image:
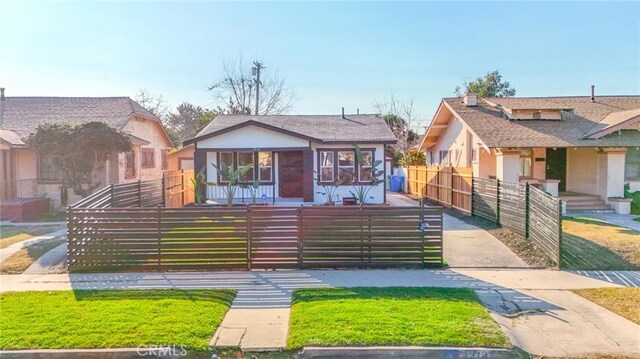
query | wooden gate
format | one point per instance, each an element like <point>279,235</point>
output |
<point>449,186</point>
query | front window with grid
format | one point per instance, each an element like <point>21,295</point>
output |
<point>265,165</point>
<point>326,166</point>
<point>47,170</point>
<point>245,159</point>
<point>346,166</point>
<point>366,166</point>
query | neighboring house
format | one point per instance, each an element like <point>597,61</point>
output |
<point>291,154</point>
<point>26,174</point>
<point>181,159</point>
<point>583,147</point>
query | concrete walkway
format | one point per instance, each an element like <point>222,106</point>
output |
<point>466,245</point>
<point>8,251</point>
<point>533,307</point>
<point>622,220</point>
<point>54,261</point>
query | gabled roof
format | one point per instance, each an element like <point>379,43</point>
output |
<point>11,138</point>
<point>580,118</point>
<point>315,128</point>
<point>22,115</point>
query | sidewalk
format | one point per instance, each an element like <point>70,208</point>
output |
<point>527,303</point>
<point>8,251</point>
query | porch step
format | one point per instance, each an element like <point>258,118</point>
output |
<point>583,202</point>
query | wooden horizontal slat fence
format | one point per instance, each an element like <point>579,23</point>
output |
<point>210,238</point>
<point>125,195</point>
<point>523,209</point>
<point>370,237</point>
<point>449,186</point>
<point>545,222</point>
<point>178,188</point>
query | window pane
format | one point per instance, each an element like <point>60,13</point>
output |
<point>346,159</point>
<point>346,175</point>
<point>130,164</point>
<point>265,165</point>
<point>326,159</point>
<point>525,166</point>
<point>326,174</point>
<point>246,159</point>
<point>226,158</point>
<point>264,159</point>
<point>366,174</point>
<point>367,159</point>
<point>265,174</point>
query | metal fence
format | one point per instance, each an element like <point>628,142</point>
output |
<point>523,209</point>
<point>246,237</point>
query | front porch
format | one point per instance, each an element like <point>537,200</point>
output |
<point>587,178</point>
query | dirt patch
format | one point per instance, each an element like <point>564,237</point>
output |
<point>522,247</point>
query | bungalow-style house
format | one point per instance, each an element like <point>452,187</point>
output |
<point>582,149</point>
<point>293,156</point>
<point>26,175</point>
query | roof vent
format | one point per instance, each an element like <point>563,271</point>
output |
<point>2,93</point>
<point>343,113</point>
<point>593,93</point>
<point>470,99</point>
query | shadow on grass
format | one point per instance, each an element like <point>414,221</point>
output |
<point>322,294</point>
<point>221,296</point>
<point>583,254</point>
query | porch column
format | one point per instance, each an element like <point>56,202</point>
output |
<point>307,175</point>
<point>611,172</point>
<point>199,160</point>
<point>507,165</point>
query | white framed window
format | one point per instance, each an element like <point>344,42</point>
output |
<point>346,166</point>
<point>366,166</point>
<point>326,166</point>
<point>265,166</point>
<point>245,159</point>
<point>526,163</point>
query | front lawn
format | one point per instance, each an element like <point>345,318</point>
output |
<point>391,316</point>
<point>589,244</point>
<point>111,318</point>
<point>622,301</point>
<point>14,234</point>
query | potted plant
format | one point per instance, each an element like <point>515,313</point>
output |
<point>232,178</point>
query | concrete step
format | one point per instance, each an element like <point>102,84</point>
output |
<point>584,197</point>
<point>578,207</point>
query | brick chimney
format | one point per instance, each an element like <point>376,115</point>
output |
<point>470,99</point>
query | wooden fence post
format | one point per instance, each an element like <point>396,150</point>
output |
<point>300,235</point>
<point>164,193</point>
<point>183,189</point>
<point>139,193</point>
<point>559,233</point>
<point>497,201</point>
<point>422,245</point>
<point>472,190</point>
<point>159,213</point>
<point>526,210</point>
<point>249,230</point>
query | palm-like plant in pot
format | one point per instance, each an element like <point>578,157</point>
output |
<point>231,178</point>
<point>369,176</point>
<point>253,189</point>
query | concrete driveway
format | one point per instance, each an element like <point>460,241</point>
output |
<point>466,245</point>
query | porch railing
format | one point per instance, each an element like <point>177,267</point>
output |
<point>11,190</point>
<point>243,195</point>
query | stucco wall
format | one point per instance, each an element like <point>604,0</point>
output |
<point>151,132</point>
<point>583,169</point>
<point>456,139</point>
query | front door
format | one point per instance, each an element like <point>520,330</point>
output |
<point>557,166</point>
<point>290,174</point>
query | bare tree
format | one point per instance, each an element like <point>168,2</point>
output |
<point>157,105</point>
<point>401,117</point>
<point>236,90</point>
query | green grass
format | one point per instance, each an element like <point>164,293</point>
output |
<point>589,244</point>
<point>391,316</point>
<point>111,318</point>
<point>14,234</point>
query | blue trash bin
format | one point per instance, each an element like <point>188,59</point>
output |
<point>396,183</point>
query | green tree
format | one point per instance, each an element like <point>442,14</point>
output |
<point>490,85</point>
<point>77,152</point>
<point>188,120</point>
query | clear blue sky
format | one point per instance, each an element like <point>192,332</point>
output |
<point>332,54</point>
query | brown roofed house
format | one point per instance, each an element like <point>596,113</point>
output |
<point>28,176</point>
<point>583,149</point>
<point>293,156</point>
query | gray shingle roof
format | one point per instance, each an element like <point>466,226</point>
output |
<point>22,115</point>
<point>495,131</point>
<point>322,128</point>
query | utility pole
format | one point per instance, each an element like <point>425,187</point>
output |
<point>256,72</point>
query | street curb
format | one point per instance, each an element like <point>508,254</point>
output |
<point>111,353</point>
<point>411,352</point>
